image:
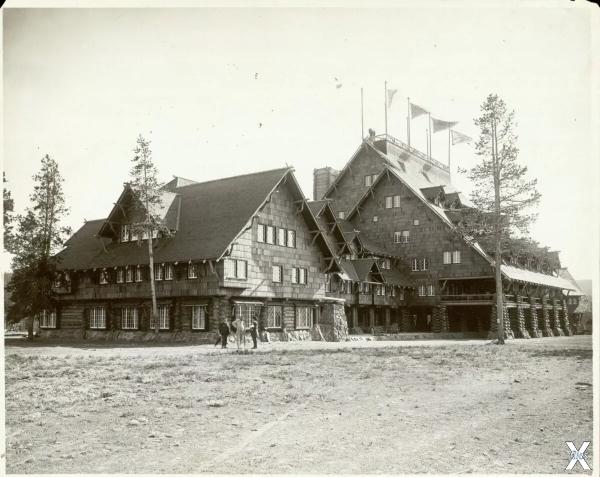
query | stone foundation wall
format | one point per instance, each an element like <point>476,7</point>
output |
<point>556,329</point>
<point>333,322</point>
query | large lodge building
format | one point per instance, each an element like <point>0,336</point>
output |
<point>377,251</point>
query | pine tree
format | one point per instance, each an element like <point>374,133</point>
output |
<point>146,190</point>
<point>8,219</point>
<point>39,234</point>
<point>503,196</point>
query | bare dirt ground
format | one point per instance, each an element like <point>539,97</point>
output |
<point>354,407</point>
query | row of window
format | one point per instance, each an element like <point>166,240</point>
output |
<point>421,264</point>
<point>130,273</point>
<point>425,290</point>
<point>130,318</point>
<point>305,315</point>
<point>276,236</point>
<point>128,235</point>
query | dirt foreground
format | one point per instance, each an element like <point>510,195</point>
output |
<point>369,407</point>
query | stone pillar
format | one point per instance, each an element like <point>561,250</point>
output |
<point>333,322</point>
<point>545,324</point>
<point>493,333</point>
<point>535,330</point>
<point>556,329</point>
<point>405,324</point>
<point>566,322</point>
<point>443,318</point>
<point>521,330</point>
<point>355,316</point>
<point>371,318</point>
<point>439,319</point>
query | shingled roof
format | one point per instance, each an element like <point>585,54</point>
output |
<point>213,214</point>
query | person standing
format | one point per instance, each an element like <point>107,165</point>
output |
<point>254,333</point>
<point>223,333</point>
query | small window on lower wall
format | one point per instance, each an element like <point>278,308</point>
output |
<point>97,318</point>
<point>199,317</point>
<point>274,316</point>
<point>304,317</point>
<point>129,318</point>
<point>48,319</point>
<point>163,318</point>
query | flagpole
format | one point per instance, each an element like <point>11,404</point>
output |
<point>362,116</point>
<point>427,140</point>
<point>385,104</point>
<point>408,120</point>
<point>449,163</point>
<point>429,136</point>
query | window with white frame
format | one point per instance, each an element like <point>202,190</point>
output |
<point>97,318</point>
<point>125,233</point>
<point>145,234</point>
<point>291,238</point>
<point>270,234</point>
<point>341,215</point>
<point>424,263</point>
<point>129,274</point>
<point>392,290</point>
<point>346,286</point>
<point>430,290</point>
<point>375,218</point>
<point>168,271</point>
<point>154,233</point>
<point>260,233</point>
<point>236,268</point>
<point>277,274</point>
<point>385,263</point>
<point>198,317</point>
<point>447,258</point>
<point>159,271</point>
<point>129,318</point>
<point>163,318</point>
<point>300,275</point>
<point>415,264</point>
<point>405,236</point>
<point>103,277</point>
<point>304,317</point>
<point>48,319</point>
<point>416,222</point>
<point>191,270</point>
<point>422,290</point>
<point>396,201</point>
<point>370,179</point>
<point>389,202</point>
<point>281,237</point>
<point>120,275</point>
<point>401,236</point>
<point>247,312</point>
<point>456,256</point>
<point>138,274</point>
<point>366,287</point>
<point>274,316</point>
<point>380,290</point>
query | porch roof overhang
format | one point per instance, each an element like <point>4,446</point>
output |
<point>527,276</point>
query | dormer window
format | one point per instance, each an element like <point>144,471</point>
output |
<point>192,270</point>
<point>138,274</point>
<point>369,179</point>
<point>129,274</point>
<point>125,233</point>
<point>103,277</point>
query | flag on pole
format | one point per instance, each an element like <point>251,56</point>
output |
<point>416,111</point>
<point>439,125</point>
<point>390,96</point>
<point>458,138</point>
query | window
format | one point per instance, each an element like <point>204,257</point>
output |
<point>277,273</point>
<point>270,234</point>
<point>159,271</point>
<point>129,274</point>
<point>236,268</point>
<point>145,234</point>
<point>304,317</point>
<point>97,318</point>
<point>154,233</point>
<point>369,179</point>
<point>281,237</point>
<point>385,263</point>
<point>375,218</point>
<point>430,290</point>
<point>424,264</point>
<point>346,286</point>
<point>415,264</point>
<point>300,275</point>
<point>48,319</point>
<point>163,318</point>
<point>447,258</point>
<point>401,237</point>
<point>366,287</point>
<point>392,290</point>
<point>103,277</point>
<point>379,290</point>
<point>191,271</point>
<point>198,317</point>
<point>401,294</point>
<point>291,238</point>
<point>422,290</point>
<point>456,256</point>
<point>247,312</point>
<point>396,201</point>
<point>341,215</point>
<point>129,318</point>
<point>274,316</point>
<point>120,275</point>
<point>168,271</point>
<point>389,202</point>
<point>260,233</point>
<point>327,283</point>
<point>138,274</point>
<point>125,233</point>
<point>416,222</point>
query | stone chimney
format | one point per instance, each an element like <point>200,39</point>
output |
<point>322,179</point>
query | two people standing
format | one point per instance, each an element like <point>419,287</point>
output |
<point>238,327</point>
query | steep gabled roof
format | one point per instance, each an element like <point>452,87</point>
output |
<point>365,267</point>
<point>213,214</point>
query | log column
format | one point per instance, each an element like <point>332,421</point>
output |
<point>387,319</point>
<point>521,331</point>
<point>405,321</point>
<point>566,322</point>
<point>535,330</point>
<point>556,329</point>
<point>545,324</point>
<point>493,333</point>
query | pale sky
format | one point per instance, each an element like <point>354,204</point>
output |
<point>222,92</point>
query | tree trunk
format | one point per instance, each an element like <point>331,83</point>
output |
<point>497,238</point>
<point>154,311</point>
<point>30,322</point>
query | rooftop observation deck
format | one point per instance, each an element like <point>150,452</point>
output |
<point>411,150</point>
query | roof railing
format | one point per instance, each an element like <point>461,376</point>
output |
<point>412,150</point>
